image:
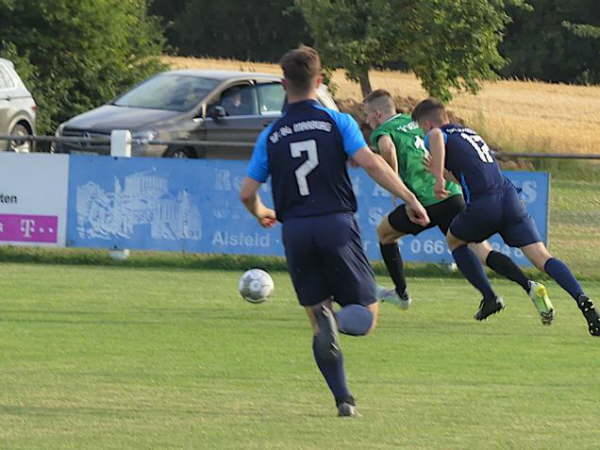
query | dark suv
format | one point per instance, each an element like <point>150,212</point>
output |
<point>186,105</point>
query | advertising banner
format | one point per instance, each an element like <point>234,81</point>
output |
<point>193,206</point>
<point>33,199</point>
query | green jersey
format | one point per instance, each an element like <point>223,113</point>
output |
<point>410,151</point>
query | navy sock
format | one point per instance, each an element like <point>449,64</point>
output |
<point>394,264</point>
<point>333,372</point>
<point>472,269</point>
<point>503,265</point>
<point>355,320</point>
<point>561,273</point>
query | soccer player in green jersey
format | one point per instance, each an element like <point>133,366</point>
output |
<point>399,140</point>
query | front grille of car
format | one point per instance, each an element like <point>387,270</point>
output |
<point>85,146</point>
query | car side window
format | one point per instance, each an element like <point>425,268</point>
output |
<point>271,98</point>
<point>6,81</point>
<point>239,101</point>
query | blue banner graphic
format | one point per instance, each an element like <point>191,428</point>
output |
<point>193,206</point>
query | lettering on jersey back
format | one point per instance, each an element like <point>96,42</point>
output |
<point>299,127</point>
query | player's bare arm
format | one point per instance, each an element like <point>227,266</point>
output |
<point>387,150</point>
<point>382,173</point>
<point>437,150</point>
<point>447,174</point>
<point>251,200</point>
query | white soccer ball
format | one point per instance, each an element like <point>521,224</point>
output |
<point>256,285</point>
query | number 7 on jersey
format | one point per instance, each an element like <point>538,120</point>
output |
<point>296,149</point>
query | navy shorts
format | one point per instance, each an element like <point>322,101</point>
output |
<point>500,212</point>
<point>326,260</point>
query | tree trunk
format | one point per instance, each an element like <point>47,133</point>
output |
<point>365,83</point>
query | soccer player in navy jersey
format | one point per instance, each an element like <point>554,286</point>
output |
<point>306,153</point>
<point>399,140</point>
<point>493,206</point>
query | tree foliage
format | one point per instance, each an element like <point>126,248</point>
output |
<point>354,34</point>
<point>249,30</point>
<point>557,41</point>
<point>77,54</point>
<point>448,44</point>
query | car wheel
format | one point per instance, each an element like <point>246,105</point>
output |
<point>179,152</point>
<point>20,146</point>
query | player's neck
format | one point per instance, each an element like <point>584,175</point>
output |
<point>387,117</point>
<point>295,98</point>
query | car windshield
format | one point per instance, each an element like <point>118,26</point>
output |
<point>173,92</point>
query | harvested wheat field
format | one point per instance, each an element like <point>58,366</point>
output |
<point>512,115</point>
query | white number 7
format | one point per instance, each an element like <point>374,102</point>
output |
<point>310,147</point>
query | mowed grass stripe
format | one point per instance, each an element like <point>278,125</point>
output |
<point>110,357</point>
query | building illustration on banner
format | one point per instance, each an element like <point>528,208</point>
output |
<point>193,206</point>
<point>142,199</point>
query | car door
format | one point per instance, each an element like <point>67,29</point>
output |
<point>241,124</point>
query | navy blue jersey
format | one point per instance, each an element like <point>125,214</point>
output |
<point>305,153</point>
<point>471,162</point>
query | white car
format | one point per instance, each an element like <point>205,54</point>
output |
<point>17,109</point>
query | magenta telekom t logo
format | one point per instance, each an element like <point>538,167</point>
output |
<point>28,228</point>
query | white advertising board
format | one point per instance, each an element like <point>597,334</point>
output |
<point>33,199</point>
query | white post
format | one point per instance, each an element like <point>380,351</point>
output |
<point>120,145</point>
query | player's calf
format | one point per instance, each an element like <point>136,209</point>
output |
<point>326,343</point>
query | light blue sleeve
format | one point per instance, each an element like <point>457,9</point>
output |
<point>258,168</point>
<point>426,140</point>
<point>351,135</point>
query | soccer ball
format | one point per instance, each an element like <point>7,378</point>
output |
<point>256,285</point>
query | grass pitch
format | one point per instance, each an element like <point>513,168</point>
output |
<point>113,358</point>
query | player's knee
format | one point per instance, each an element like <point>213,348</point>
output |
<point>454,242</point>
<point>386,234</point>
<point>538,254</point>
<point>382,231</point>
<point>540,263</point>
<point>355,320</point>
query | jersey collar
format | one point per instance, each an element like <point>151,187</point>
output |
<point>395,116</point>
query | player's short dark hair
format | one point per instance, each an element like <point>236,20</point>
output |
<point>428,108</point>
<point>300,67</point>
<point>377,94</point>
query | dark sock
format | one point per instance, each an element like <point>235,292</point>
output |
<point>560,272</point>
<point>333,372</point>
<point>471,268</point>
<point>503,265</point>
<point>394,264</point>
